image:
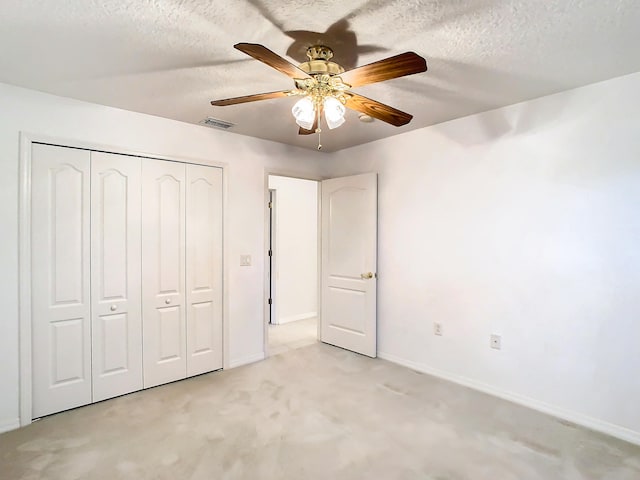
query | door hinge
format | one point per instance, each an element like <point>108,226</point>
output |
<point>270,301</point>
<point>270,204</point>
<point>270,253</point>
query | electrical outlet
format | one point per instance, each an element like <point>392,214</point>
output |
<point>437,328</point>
<point>245,260</point>
<point>496,342</point>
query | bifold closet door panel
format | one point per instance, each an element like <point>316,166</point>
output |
<point>204,269</point>
<point>115,275</point>
<point>60,279</point>
<point>163,271</point>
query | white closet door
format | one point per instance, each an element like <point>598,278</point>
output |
<point>61,306</point>
<point>163,271</point>
<point>115,275</point>
<point>204,269</point>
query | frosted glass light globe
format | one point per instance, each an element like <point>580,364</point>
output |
<point>333,112</point>
<point>304,113</point>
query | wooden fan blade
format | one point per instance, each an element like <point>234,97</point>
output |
<point>378,110</point>
<point>263,54</point>
<point>250,98</point>
<point>406,63</point>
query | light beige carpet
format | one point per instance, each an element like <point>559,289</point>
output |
<point>312,413</point>
<point>292,335</point>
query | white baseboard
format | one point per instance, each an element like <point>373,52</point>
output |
<point>7,425</point>
<point>238,362</point>
<point>295,318</point>
<point>611,429</point>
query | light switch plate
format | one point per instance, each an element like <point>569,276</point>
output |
<point>245,260</point>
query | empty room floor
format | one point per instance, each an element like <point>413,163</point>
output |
<point>316,412</point>
<point>292,335</point>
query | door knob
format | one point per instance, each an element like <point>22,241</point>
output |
<point>367,275</point>
<point>113,308</point>
<point>167,301</point>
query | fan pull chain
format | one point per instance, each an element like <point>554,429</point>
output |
<point>318,131</point>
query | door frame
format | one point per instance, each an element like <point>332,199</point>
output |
<point>287,173</point>
<point>271,242</point>
<point>24,248</point>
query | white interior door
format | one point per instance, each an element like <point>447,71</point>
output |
<point>163,271</point>
<point>349,246</point>
<point>204,269</point>
<point>115,275</point>
<point>61,306</point>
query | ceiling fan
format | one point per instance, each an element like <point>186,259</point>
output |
<point>325,86</point>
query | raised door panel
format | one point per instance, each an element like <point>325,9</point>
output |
<point>204,269</point>
<point>61,332</point>
<point>163,271</point>
<point>116,275</point>
<point>349,243</point>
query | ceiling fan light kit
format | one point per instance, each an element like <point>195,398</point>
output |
<point>304,111</point>
<point>326,87</point>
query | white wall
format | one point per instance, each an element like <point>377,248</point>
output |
<point>34,112</point>
<point>296,248</point>
<point>525,222</point>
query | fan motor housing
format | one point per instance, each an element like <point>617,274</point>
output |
<point>318,64</point>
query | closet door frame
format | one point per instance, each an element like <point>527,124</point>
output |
<point>27,139</point>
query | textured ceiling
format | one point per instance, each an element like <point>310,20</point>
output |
<point>171,57</point>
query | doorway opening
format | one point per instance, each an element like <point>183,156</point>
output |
<point>293,264</point>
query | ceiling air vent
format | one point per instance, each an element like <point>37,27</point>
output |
<point>215,123</point>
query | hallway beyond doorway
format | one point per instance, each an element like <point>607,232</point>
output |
<point>292,335</point>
